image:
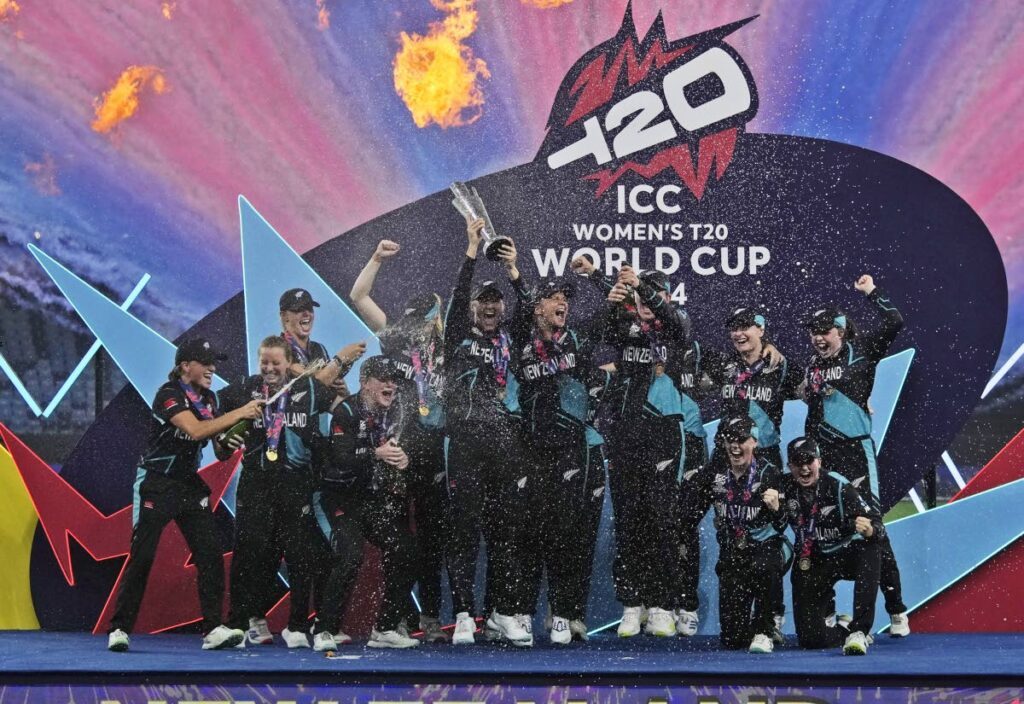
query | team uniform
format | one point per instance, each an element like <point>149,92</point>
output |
<point>418,363</point>
<point>828,549</point>
<point>485,476</point>
<point>168,488</point>
<point>838,417</point>
<point>752,550</point>
<point>274,502</point>
<point>559,386</point>
<point>645,450</point>
<point>364,499</point>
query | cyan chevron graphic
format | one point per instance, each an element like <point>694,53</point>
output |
<point>75,373</point>
<point>269,268</point>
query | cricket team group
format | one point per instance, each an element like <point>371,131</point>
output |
<point>490,418</point>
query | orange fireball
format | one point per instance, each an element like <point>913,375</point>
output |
<point>122,101</point>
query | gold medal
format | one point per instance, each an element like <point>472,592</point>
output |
<point>424,411</point>
<point>272,455</point>
<point>804,564</point>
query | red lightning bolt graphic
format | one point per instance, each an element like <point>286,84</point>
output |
<point>171,598</point>
<point>714,149</point>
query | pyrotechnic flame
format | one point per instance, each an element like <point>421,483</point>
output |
<point>546,4</point>
<point>323,15</point>
<point>8,9</point>
<point>436,75</point>
<point>122,101</point>
<point>44,175</point>
<point>167,9</point>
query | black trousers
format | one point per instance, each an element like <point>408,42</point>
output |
<point>855,460</point>
<point>489,491</point>
<point>565,508</point>
<point>643,469</point>
<point>429,493</point>
<point>813,593</point>
<point>161,500</point>
<point>748,582</point>
<point>687,592</point>
<point>383,520</point>
<point>274,519</point>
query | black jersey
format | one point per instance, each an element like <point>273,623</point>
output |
<point>313,352</point>
<point>753,390</point>
<point>838,387</point>
<point>300,410</point>
<point>741,516</point>
<point>170,450</point>
<point>825,514</point>
<point>688,370</point>
<point>420,362</point>
<point>647,352</point>
<point>356,433</point>
<point>480,370</point>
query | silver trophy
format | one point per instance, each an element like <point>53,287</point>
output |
<point>468,202</point>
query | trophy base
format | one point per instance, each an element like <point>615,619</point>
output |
<point>493,248</point>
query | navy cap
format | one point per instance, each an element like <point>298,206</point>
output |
<point>552,286</point>
<point>656,279</point>
<point>825,318</point>
<point>296,300</point>
<point>738,428</point>
<point>745,317</point>
<point>378,367</point>
<point>803,449</point>
<point>487,287</point>
<point>198,349</point>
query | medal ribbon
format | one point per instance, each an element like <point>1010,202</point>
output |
<point>738,529</point>
<point>300,354</point>
<point>196,400</point>
<point>273,420</point>
<point>805,529</point>
<point>378,425</point>
<point>501,357</point>
<point>740,382</point>
<point>816,381</point>
<point>422,375</point>
<point>540,346</point>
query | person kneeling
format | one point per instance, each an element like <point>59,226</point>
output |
<point>837,537</point>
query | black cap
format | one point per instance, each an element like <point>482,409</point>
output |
<point>738,428</point>
<point>297,300</point>
<point>198,349</point>
<point>824,319</point>
<point>656,279</point>
<point>745,317</point>
<point>378,367</point>
<point>424,306</point>
<point>552,286</point>
<point>802,450</point>
<point>485,288</point>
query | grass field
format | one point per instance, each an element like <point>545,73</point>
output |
<point>905,508</point>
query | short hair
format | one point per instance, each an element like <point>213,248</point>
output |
<point>280,342</point>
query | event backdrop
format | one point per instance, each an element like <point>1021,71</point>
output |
<point>766,154</point>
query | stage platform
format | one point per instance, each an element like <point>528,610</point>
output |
<point>33,657</point>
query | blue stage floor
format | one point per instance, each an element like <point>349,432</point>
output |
<point>936,659</point>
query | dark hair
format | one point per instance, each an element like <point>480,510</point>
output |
<point>278,341</point>
<point>175,373</point>
<point>850,331</point>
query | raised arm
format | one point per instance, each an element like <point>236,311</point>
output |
<point>877,342</point>
<point>522,314</point>
<point>375,318</point>
<point>456,318</point>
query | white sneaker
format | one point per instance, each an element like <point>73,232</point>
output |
<point>342,638</point>
<point>831,620</point>
<point>117,641</point>
<point>560,633</point>
<point>899,625</point>
<point>578,629</point>
<point>632,618</point>
<point>222,637</point>
<point>508,628</point>
<point>259,632</point>
<point>761,644</point>
<point>687,622</point>
<point>856,644</point>
<point>295,639</point>
<point>780,621</point>
<point>465,627</point>
<point>323,642</point>
<point>391,639</point>
<point>526,623</point>
<point>660,623</point>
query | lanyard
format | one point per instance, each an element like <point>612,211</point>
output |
<point>196,400</point>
